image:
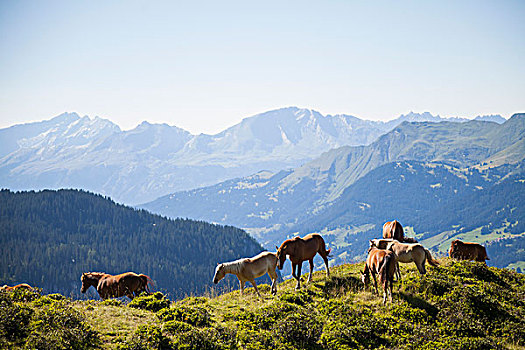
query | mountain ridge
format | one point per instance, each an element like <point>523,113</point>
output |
<point>138,165</point>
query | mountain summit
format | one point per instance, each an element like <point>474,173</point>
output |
<point>151,160</point>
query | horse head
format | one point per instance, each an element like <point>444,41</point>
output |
<point>281,255</point>
<point>365,277</point>
<point>219,273</point>
<point>88,279</point>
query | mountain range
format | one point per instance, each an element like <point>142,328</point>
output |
<point>412,173</point>
<point>152,160</point>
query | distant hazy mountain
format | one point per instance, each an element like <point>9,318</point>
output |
<point>267,202</point>
<point>152,160</point>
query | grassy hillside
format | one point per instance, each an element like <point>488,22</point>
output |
<point>458,305</point>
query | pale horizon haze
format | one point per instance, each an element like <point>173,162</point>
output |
<point>205,65</point>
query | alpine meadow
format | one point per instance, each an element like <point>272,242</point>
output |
<point>240,175</point>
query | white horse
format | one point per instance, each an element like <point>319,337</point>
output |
<point>248,269</point>
<point>406,253</point>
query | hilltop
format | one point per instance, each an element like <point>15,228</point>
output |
<point>458,305</point>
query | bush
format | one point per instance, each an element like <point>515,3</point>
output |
<point>58,326</point>
<point>147,337</point>
<point>153,302</point>
<point>301,297</point>
<point>112,302</point>
<point>349,328</point>
<point>298,330</point>
<point>15,318</point>
<point>174,327</point>
<point>194,315</point>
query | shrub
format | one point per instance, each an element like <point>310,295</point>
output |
<point>301,297</point>
<point>58,326</point>
<point>25,295</point>
<point>147,337</point>
<point>349,328</point>
<point>15,318</point>
<point>112,302</point>
<point>174,327</point>
<point>298,330</point>
<point>194,315</point>
<point>197,339</point>
<point>153,302</point>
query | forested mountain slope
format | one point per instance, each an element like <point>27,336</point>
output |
<point>49,238</point>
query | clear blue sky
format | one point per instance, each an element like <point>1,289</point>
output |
<point>205,65</point>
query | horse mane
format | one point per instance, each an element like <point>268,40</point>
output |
<point>233,266</point>
<point>95,274</point>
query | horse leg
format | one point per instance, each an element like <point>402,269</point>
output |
<point>241,284</point>
<point>421,267</point>
<point>255,286</point>
<point>299,266</point>
<point>311,261</point>
<point>325,258</point>
<point>273,276</point>
<point>398,271</point>
<point>375,281</point>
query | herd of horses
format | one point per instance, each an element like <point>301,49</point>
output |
<point>384,256</point>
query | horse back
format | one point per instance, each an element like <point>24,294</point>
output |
<point>393,229</point>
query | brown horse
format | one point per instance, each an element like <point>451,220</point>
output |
<point>383,263</point>
<point>467,251</point>
<point>25,286</point>
<point>109,286</point>
<point>301,249</point>
<point>394,230</point>
<point>248,269</point>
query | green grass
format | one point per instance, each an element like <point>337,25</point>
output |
<point>457,305</point>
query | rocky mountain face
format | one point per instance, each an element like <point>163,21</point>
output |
<point>152,160</point>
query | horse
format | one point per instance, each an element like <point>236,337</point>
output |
<point>394,230</point>
<point>20,286</point>
<point>301,249</point>
<point>248,269</point>
<point>407,253</point>
<point>383,263</point>
<point>129,284</point>
<point>467,251</point>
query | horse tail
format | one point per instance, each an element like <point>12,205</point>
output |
<point>322,248</point>
<point>146,281</point>
<point>384,270</point>
<point>430,260</point>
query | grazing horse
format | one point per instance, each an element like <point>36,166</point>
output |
<point>248,269</point>
<point>25,286</point>
<point>467,251</point>
<point>109,286</point>
<point>301,249</point>
<point>394,230</point>
<point>407,253</point>
<point>383,263</point>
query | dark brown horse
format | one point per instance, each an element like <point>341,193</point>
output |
<point>394,230</point>
<point>108,286</point>
<point>301,249</point>
<point>467,251</point>
<point>25,286</point>
<point>383,263</point>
